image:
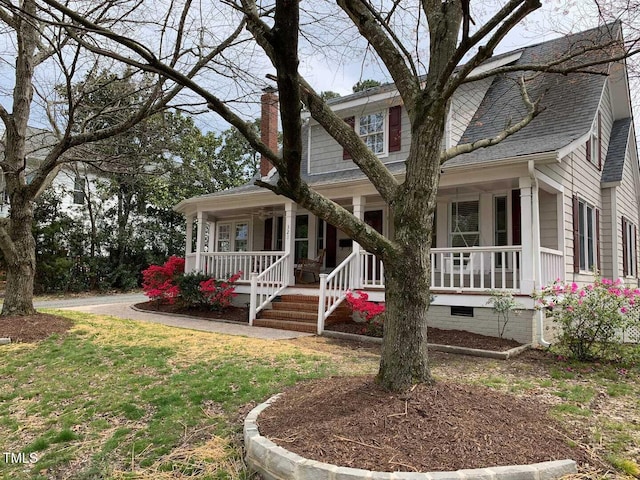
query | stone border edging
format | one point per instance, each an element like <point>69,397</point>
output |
<point>476,352</point>
<point>276,463</point>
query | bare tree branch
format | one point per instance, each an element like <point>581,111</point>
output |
<point>532,112</point>
<point>408,85</point>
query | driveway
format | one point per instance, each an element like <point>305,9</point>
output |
<point>119,305</point>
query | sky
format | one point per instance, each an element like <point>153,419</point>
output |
<point>336,66</point>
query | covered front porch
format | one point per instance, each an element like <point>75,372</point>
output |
<point>488,236</point>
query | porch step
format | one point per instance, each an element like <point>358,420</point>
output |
<point>299,311</point>
<point>307,307</point>
<point>286,325</point>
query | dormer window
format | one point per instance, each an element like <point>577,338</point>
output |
<point>371,130</point>
<point>594,144</point>
<point>380,131</point>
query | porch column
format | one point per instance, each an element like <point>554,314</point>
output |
<point>199,240</point>
<point>358,211</point>
<point>290,209</point>
<point>189,264</point>
<point>212,234</point>
<point>529,234</point>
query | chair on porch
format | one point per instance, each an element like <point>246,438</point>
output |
<point>311,266</point>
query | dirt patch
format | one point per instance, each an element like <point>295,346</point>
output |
<point>32,328</point>
<point>232,314</point>
<point>458,338</point>
<point>352,422</point>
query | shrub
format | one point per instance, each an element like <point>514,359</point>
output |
<point>503,304</point>
<point>592,317</point>
<point>159,281</point>
<point>219,293</point>
<point>190,292</point>
<point>370,312</point>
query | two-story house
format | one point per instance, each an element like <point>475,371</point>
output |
<point>556,200</point>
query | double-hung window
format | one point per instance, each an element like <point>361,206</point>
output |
<point>371,129</point>
<point>629,254</point>
<point>587,235</point>
<point>233,237</point>
<point>301,237</point>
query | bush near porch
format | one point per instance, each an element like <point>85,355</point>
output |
<point>167,283</point>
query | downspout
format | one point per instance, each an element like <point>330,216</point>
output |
<point>537,265</point>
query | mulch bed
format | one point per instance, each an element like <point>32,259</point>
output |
<point>32,328</point>
<point>233,314</point>
<point>352,422</point>
<point>458,338</point>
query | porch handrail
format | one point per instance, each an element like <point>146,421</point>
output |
<point>334,287</point>
<point>267,285</point>
<point>488,248</point>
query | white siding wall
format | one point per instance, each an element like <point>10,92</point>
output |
<point>627,206</point>
<point>606,224</point>
<point>464,104</point>
<point>548,220</point>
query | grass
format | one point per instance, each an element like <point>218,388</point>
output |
<point>128,400</point>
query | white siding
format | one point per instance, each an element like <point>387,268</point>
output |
<point>548,220</point>
<point>464,104</point>
<point>627,206</point>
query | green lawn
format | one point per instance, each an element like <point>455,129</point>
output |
<point>121,399</point>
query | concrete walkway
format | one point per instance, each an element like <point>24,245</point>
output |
<point>120,306</point>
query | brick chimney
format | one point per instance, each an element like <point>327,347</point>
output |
<point>268,126</point>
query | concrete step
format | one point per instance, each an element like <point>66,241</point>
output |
<point>285,325</point>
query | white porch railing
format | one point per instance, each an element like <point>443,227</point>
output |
<point>371,270</point>
<point>267,285</point>
<point>552,266</point>
<point>477,268</point>
<point>225,264</point>
<point>334,287</point>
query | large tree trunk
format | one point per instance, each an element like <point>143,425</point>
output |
<point>404,359</point>
<point>21,266</point>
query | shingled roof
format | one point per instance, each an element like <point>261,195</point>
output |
<point>568,105</point>
<point>614,164</point>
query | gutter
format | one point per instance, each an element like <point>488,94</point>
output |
<point>537,266</point>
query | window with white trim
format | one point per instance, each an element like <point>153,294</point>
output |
<point>587,235</point>
<point>233,237</point>
<point>464,224</point>
<point>629,256</point>
<point>371,129</point>
<point>224,237</point>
